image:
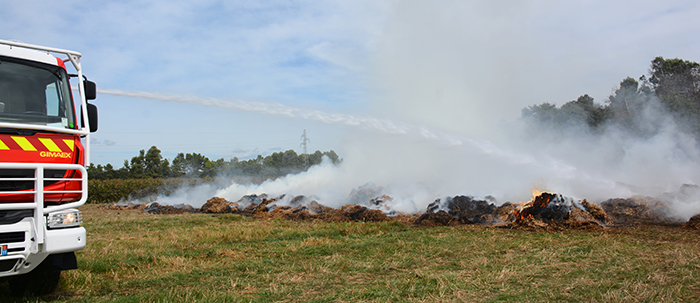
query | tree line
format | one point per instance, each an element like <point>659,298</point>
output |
<point>672,86</point>
<point>152,164</point>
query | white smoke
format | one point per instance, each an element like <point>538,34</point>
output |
<point>415,165</point>
<point>460,72</point>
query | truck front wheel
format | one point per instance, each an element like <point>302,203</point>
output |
<point>40,281</point>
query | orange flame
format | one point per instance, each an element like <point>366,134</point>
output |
<point>521,211</point>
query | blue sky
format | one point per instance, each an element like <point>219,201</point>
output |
<point>463,67</point>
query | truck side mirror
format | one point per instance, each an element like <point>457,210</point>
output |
<point>92,116</point>
<point>90,90</point>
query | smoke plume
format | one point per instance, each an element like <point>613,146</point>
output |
<point>457,75</point>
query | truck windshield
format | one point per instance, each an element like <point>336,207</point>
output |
<point>35,93</point>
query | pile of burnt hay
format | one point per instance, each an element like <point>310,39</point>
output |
<point>464,210</point>
<point>156,208</point>
<point>300,208</point>
<point>545,212</point>
<point>549,214</point>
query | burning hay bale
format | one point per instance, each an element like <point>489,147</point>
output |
<point>547,207</point>
<point>546,211</point>
<point>638,209</point>
<point>549,211</point>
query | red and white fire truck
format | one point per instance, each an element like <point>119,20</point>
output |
<point>44,147</point>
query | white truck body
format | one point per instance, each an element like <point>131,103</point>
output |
<point>43,154</point>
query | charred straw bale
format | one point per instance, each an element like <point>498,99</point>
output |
<point>346,213</point>
<point>638,209</point>
<point>504,213</point>
<point>216,205</point>
<point>439,218</point>
<point>465,209</point>
<point>596,211</point>
<point>125,206</point>
<point>155,208</point>
<point>316,208</point>
<point>353,212</point>
<point>693,223</point>
<point>533,224</point>
<point>380,200</point>
<point>258,209</point>
<point>581,219</point>
<point>299,201</point>
<point>373,215</point>
<point>288,213</point>
<point>251,199</point>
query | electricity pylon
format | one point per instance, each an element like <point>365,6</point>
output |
<point>304,141</point>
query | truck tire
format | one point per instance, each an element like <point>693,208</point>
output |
<point>40,281</point>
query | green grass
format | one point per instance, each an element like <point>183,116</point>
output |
<point>136,257</point>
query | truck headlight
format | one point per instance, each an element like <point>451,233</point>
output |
<point>65,218</point>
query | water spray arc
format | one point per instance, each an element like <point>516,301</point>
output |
<point>383,126</point>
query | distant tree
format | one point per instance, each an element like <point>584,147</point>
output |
<point>156,165</point>
<point>192,165</point>
<point>581,115</point>
<point>148,164</point>
<point>333,157</point>
<point>544,113</point>
<point>100,172</point>
<point>151,164</point>
<point>627,106</point>
<point>633,106</point>
<point>284,161</point>
<point>677,84</point>
<point>252,167</point>
<point>317,157</point>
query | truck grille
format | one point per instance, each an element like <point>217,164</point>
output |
<point>7,265</point>
<point>14,216</point>
<point>12,185</point>
<point>11,237</point>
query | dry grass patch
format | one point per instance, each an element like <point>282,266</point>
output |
<point>132,257</point>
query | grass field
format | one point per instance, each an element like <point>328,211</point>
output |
<point>132,256</point>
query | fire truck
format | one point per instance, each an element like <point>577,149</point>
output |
<point>44,147</point>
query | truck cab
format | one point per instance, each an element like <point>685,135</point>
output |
<point>44,147</point>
